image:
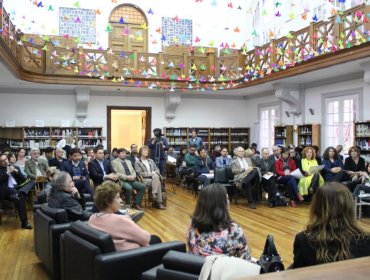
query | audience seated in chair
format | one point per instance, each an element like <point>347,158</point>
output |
<point>65,195</point>
<point>276,153</point>
<point>212,231</point>
<point>310,181</point>
<point>284,166</point>
<point>224,159</point>
<point>203,165</point>
<point>191,156</point>
<point>171,160</point>
<point>36,167</point>
<point>245,175</point>
<point>21,161</point>
<point>133,156</point>
<point>9,175</point>
<point>78,171</point>
<point>59,159</point>
<point>127,177</point>
<point>364,186</point>
<point>333,233</point>
<point>125,233</point>
<point>101,169</point>
<point>339,149</point>
<point>216,152</point>
<point>333,170</point>
<point>23,184</point>
<point>43,196</point>
<point>147,169</point>
<point>355,167</point>
<point>267,166</point>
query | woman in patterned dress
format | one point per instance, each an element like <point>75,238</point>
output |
<point>212,231</point>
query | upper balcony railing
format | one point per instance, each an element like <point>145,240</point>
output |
<point>199,69</point>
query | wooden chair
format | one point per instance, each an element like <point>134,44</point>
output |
<point>40,181</point>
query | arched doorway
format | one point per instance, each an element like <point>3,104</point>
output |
<point>129,29</point>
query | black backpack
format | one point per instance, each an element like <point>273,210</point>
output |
<point>270,260</point>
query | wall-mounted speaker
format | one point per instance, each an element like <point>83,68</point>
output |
<point>311,111</point>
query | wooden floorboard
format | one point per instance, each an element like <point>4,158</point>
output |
<point>18,260</point>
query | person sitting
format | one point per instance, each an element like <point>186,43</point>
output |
<point>171,159</point>
<point>339,149</point>
<point>181,163</point>
<point>127,178</point>
<point>43,196</point>
<point>113,154</point>
<point>36,167</point>
<point>364,186</point>
<point>284,166</point>
<point>276,152</point>
<point>148,170</point>
<point>244,175</point>
<point>333,166</point>
<point>317,153</point>
<point>216,152</point>
<point>267,166</point>
<point>58,160</point>
<point>67,143</point>
<point>64,195</point>
<point>296,156</point>
<point>250,156</point>
<point>8,190</point>
<point>125,233</point>
<point>212,231</point>
<point>355,168</point>
<point>78,171</point>
<point>21,161</point>
<point>203,166</point>
<point>100,169</point>
<point>310,181</point>
<point>133,156</point>
<point>333,233</point>
<point>191,156</point>
<point>223,160</point>
<point>195,140</point>
<point>24,185</point>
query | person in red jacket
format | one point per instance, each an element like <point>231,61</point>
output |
<point>283,167</point>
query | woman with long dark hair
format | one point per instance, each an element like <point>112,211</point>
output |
<point>333,170</point>
<point>212,231</point>
<point>332,233</point>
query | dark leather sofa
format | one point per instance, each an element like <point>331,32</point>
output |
<point>176,266</point>
<point>49,224</point>
<point>87,253</point>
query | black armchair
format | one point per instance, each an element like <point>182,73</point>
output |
<point>176,266</point>
<point>49,224</point>
<point>87,253</point>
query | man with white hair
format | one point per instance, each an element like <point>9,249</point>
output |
<point>36,166</point>
<point>245,175</point>
<point>59,158</point>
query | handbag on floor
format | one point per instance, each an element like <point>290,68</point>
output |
<point>270,260</point>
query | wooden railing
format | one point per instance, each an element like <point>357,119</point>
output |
<point>202,70</point>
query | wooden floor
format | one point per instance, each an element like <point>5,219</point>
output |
<point>18,260</point>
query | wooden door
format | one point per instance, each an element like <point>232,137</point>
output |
<point>129,29</point>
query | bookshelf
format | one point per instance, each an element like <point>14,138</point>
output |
<point>362,136</point>
<point>45,137</point>
<point>309,134</point>
<point>225,136</point>
<point>283,135</point>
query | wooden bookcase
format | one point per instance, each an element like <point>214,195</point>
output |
<point>309,134</point>
<point>362,136</point>
<point>224,136</point>
<point>283,135</point>
<point>45,137</point>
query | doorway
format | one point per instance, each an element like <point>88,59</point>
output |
<point>128,125</point>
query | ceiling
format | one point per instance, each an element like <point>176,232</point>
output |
<point>341,72</point>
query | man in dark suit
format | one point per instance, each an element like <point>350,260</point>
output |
<point>101,169</point>
<point>8,190</point>
<point>78,171</point>
<point>267,166</point>
<point>58,160</point>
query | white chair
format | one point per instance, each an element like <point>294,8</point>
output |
<point>359,202</point>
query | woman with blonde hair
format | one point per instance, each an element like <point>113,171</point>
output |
<point>311,180</point>
<point>148,170</point>
<point>332,233</point>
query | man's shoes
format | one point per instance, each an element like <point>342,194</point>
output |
<point>137,216</point>
<point>252,205</point>
<point>271,204</point>
<point>26,225</point>
<point>137,207</point>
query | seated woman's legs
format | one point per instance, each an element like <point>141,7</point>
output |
<point>314,182</point>
<point>359,188</point>
<point>338,177</point>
